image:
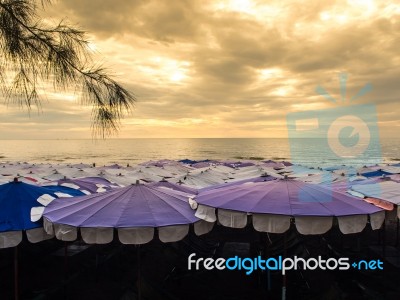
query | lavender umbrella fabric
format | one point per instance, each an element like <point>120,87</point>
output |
<point>134,210</point>
<point>174,186</point>
<point>87,185</point>
<point>275,202</point>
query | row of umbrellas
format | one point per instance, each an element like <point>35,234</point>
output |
<point>168,197</point>
<point>96,205</point>
<point>197,175</point>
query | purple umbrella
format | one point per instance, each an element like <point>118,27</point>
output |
<point>88,185</point>
<point>274,203</point>
<point>236,183</point>
<point>237,164</point>
<point>205,164</point>
<point>134,210</point>
<point>346,185</point>
<point>174,186</point>
<point>273,164</point>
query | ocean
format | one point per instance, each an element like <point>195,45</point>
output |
<point>133,151</point>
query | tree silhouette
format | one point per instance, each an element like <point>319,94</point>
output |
<point>33,52</point>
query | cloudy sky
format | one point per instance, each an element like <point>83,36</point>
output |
<point>230,68</point>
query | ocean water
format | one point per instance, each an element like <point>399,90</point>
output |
<point>133,151</point>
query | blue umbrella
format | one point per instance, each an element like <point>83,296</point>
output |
<point>17,202</point>
<point>86,185</point>
<point>376,173</point>
<point>64,191</point>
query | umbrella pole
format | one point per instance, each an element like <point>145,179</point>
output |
<point>384,239</point>
<point>65,269</point>
<point>138,274</point>
<point>397,231</point>
<point>65,260</point>
<point>16,288</point>
<point>284,276</point>
<point>266,254</point>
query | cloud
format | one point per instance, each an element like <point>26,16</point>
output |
<point>234,68</point>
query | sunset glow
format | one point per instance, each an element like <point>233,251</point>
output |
<point>231,68</point>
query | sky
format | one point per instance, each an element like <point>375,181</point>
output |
<point>231,68</point>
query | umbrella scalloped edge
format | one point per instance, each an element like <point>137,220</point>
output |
<point>306,225</point>
<point>136,236</point>
<point>10,239</point>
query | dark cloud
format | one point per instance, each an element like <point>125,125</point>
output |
<point>232,71</point>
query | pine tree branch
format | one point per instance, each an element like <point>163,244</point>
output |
<point>59,53</point>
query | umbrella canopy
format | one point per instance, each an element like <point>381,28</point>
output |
<point>205,163</point>
<point>252,172</point>
<point>135,211</point>
<point>64,191</point>
<point>387,190</point>
<point>376,173</point>
<point>392,169</point>
<point>174,186</point>
<point>20,203</point>
<point>275,202</point>
<point>395,177</point>
<point>238,182</point>
<point>86,185</point>
<point>188,161</point>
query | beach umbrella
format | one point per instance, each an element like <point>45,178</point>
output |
<point>273,164</point>
<point>87,185</point>
<point>135,212</point>
<point>188,161</point>
<point>10,169</point>
<point>157,163</point>
<point>273,204</point>
<point>177,169</point>
<point>220,170</point>
<point>395,177</point>
<point>21,206</point>
<point>80,166</point>
<point>377,173</point>
<point>286,163</point>
<point>131,177</point>
<point>154,171</point>
<point>204,178</point>
<point>386,190</point>
<point>252,172</point>
<point>392,169</point>
<point>72,172</point>
<point>113,171</point>
<point>344,184</point>
<point>300,171</point>
<point>205,163</point>
<point>384,194</point>
<point>173,186</point>
<point>263,178</point>
<point>238,164</point>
